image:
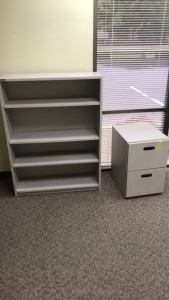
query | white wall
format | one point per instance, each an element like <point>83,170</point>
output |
<point>44,36</point>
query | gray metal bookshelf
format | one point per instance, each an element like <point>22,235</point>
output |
<point>53,130</point>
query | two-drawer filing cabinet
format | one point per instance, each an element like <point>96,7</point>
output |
<point>139,158</point>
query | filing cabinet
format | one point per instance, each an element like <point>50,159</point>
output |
<point>139,159</point>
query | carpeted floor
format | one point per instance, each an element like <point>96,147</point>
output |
<point>84,245</point>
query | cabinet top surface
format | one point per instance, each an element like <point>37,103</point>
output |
<point>139,132</point>
<point>50,76</point>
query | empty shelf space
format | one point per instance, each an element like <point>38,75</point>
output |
<point>51,184</point>
<point>54,158</point>
<point>26,137</point>
<point>62,102</point>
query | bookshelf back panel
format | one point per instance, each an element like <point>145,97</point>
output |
<point>55,147</point>
<point>63,118</point>
<point>52,89</point>
<point>56,170</point>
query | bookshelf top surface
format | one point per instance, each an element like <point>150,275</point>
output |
<point>50,76</point>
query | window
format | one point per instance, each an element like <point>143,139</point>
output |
<point>133,57</point>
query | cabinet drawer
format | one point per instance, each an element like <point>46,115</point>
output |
<point>145,182</point>
<point>147,155</point>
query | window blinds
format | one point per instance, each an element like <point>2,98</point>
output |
<point>133,57</point>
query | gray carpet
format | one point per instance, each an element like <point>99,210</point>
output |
<point>90,245</point>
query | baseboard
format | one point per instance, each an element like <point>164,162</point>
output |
<point>5,174</point>
<point>106,168</point>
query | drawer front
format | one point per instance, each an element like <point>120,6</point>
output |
<point>147,155</point>
<point>145,182</point>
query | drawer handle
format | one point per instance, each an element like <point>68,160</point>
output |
<point>148,148</point>
<point>146,175</point>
